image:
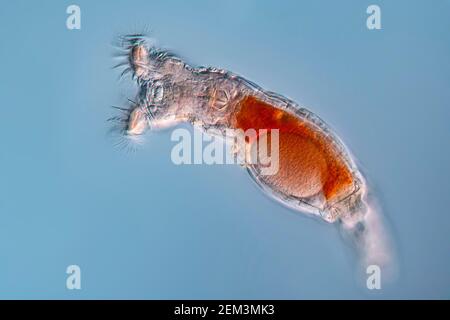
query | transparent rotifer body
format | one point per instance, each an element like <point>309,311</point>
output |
<point>317,174</point>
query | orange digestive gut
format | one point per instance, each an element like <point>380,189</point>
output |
<point>306,154</point>
<point>315,172</point>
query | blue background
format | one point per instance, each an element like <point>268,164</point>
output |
<point>141,227</point>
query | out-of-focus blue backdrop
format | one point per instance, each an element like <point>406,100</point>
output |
<point>141,227</point>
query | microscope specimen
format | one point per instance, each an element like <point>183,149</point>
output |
<point>316,173</point>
